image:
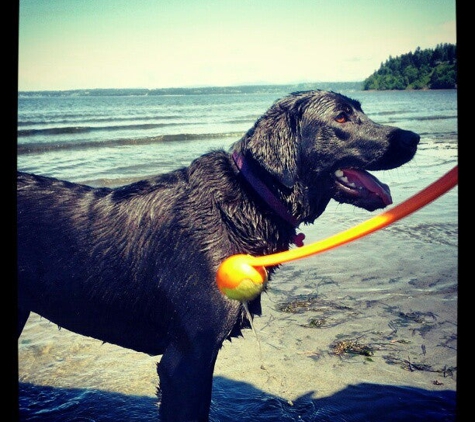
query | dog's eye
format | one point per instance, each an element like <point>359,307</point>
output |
<point>341,118</point>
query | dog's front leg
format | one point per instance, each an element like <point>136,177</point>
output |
<point>186,378</point>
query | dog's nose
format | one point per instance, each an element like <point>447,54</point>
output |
<point>409,139</point>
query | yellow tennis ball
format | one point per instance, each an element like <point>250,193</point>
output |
<point>239,280</point>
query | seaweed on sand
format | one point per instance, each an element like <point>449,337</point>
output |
<point>353,347</point>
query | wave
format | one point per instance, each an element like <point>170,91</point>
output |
<point>415,115</point>
<point>86,129</point>
<point>39,147</point>
<point>70,118</point>
<point>449,136</point>
<point>435,117</point>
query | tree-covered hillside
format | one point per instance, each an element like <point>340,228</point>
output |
<point>423,69</point>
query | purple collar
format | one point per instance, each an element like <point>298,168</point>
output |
<point>266,194</point>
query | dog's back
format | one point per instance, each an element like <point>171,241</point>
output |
<point>117,264</point>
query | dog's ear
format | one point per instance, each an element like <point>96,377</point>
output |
<point>274,141</point>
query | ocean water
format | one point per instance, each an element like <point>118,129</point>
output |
<point>408,269</point>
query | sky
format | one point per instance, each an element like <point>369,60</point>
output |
<point>87,44</point>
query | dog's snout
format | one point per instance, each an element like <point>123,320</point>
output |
<point>401,149</point>
<point>408,138</point>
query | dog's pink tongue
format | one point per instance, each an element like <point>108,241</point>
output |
<point>364,179</point>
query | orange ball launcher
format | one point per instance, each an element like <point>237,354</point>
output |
<point>243,277</point>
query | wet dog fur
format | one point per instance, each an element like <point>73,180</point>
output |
<point>136,265</point>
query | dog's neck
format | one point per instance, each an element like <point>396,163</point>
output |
<point>267,195</point>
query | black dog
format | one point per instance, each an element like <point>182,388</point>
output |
<point>136,265</point>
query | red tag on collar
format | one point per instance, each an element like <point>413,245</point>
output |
<point>298,240</point>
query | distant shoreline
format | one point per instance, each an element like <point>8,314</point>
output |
<point>239,89</point>
<point>225,90</point>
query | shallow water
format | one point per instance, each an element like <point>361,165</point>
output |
<point>394,291</point>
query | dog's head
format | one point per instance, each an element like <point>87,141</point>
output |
<point>319,145</point>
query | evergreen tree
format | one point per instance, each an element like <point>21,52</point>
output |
<point>421,69</point>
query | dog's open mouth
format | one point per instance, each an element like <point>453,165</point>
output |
<point>360,188</point>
